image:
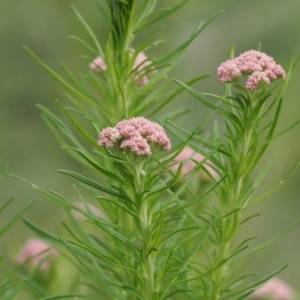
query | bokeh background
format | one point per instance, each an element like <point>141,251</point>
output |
<point>33,153</point>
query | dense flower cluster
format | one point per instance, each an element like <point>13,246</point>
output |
<point>140,64</point>
<point>37,250</point>
<point>274,289</point>
<point>258,65</point>
<point>137,135</point>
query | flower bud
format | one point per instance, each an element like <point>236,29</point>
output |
<point>36,250</point>
<point>275,289</point>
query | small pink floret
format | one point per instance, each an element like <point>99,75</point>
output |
<point>275,289</point>
<point>137,145</point>
<point>137,135</point>
<point>228,70</point>
<point>258,65</point>
<point>37,250</point>
<point>108,137</point>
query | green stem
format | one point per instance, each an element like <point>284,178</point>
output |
<point>147,259</point>
<point>219,274</point>
<point>241,151</point>
<point>148,270</point>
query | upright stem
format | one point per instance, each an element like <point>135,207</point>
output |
<point>240,151</point>
<point>147,258</point>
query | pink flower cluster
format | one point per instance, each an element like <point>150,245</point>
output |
<point>275,289</point>
<point>258,65</point>
<point>37,250</point>
<point>136,134</point>
<point>140,64</point>
<point>186,157</point>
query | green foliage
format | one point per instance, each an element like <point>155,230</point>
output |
<point>7,289</point>
<point>151,229</point>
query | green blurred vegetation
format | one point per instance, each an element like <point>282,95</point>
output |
<point>33,153</point>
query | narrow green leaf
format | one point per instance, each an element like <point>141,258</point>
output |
<point>174,128</point>
<point>83,43</point>
<point>73,78</point>
<point>35,286</point>
<point>95,275</point>
<point>204,100</point>
<point>280,185</point>
<point>41,233</point>
<point>210,271</point>
<point>257,181</point>
<point>60,125</point>
<point>223,100</point>
<point>106,259</point>
<point>68,296</point>
<point>133,291</point>
<point>119,204</point>
<point>272,240</point>
<point>270,134</point>
<point>176,292</point>
<point>16,217</point>
<point>159,230</point>
<point>194,251</point>
<point>184,45</point>
<point>283,131</point>
<point>99,168</point>
<point>166,12</point>
<point>197,199</point>
<point>93,184</point>
<point>60,79</point>
<point>4,206</point>
<point>253,286</point>
<point>239,281</point>
<point>173,95</point>
<point>89,30</point>
<point>3,171</point>
<point>245,295</point>
<point>79,128</point>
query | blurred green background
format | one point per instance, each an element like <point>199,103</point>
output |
<point>32,152</point>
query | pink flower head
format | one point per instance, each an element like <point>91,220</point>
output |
<point>186,157</point>
<point>137,135</point>
<point>37,250</point>
<point>98,65</point>
<point>275,289</point>
<point>258,65</point>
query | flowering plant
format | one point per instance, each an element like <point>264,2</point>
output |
<point>145,227</point>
